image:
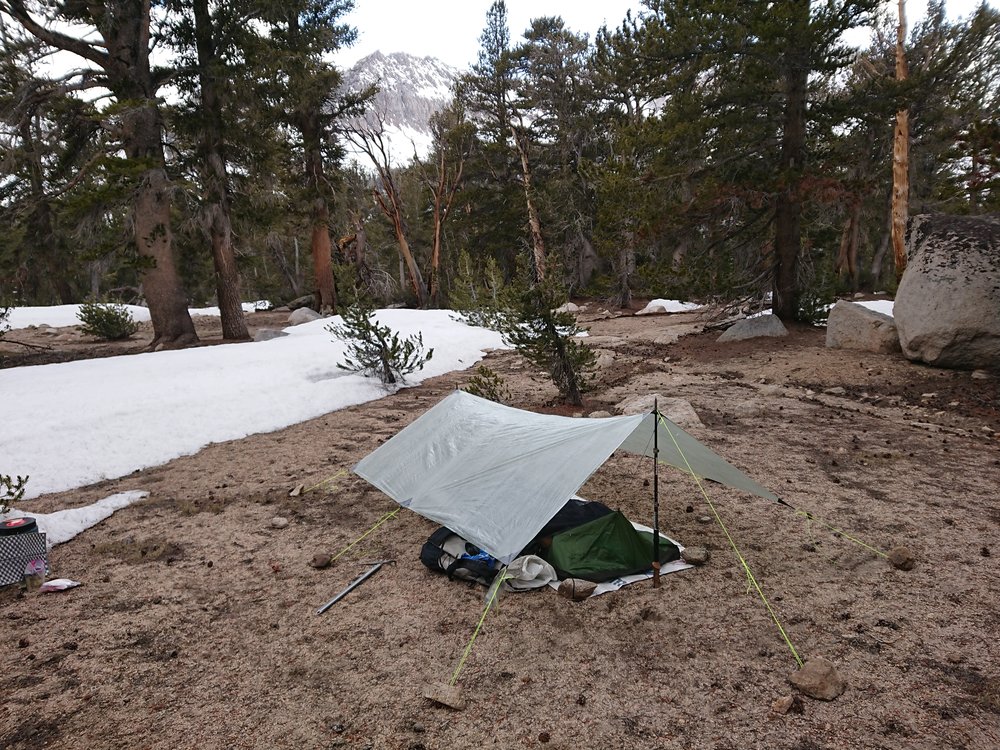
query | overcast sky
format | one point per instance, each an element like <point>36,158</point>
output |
<point>449,29</point>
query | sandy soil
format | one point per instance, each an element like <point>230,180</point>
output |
<point>196,624</point>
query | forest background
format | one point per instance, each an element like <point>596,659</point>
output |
<point>707,150</point>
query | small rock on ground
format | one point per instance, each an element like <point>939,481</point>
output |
<point>787,704</point>
<point>901,558</point>
<point>447,695</point>
<point>321,561</point>
<point>696,555</point>
<point>576,589</point>
<point>278,522</point>
<point>818,679</point>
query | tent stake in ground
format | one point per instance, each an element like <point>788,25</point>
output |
<point>656,498</point>
<point>375,568</point>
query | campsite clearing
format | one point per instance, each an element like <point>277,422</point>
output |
<point>196,624</point>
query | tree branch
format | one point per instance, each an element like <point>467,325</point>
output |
<point>17,11</point>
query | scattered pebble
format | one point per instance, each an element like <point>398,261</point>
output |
<point>901,558</point>
<point>696,555</point>
<point>576,589</point>
<point>704,519</point>
<point>788,704</point>
<point>447,695</point>
<point>321,561</point>
<point>279,522</point>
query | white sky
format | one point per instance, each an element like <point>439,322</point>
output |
<point>449,29</point>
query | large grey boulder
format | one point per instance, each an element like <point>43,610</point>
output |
<point>853,326</point>
<point>266,334</point>
<point>303,315</point>
<point>752,328</point>
<point>308,300</point>
<point>677,410</point>
<point>947,308</point>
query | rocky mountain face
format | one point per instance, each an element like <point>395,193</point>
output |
<point>411,90</point>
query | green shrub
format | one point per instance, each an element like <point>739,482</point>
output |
<point>488,384</point>
<point>374,349</point>
<point>11,490</point>
<point>107,320</point>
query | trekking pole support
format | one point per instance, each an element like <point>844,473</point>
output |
<point>656,495</point>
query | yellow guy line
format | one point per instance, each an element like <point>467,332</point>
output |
<point>326,481</point>
<point>739,555</point>
<point>468,649</point>
<point>382,520</point>
<point>810,517</point>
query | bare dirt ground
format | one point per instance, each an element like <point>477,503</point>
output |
<point>196,624</point>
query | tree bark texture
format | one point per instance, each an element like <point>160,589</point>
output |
<point>131,79</point>
<point>326,295</point>
<point>216,209</point>
<point>788,211</point>
<point>393,211</point>
<point>123,55</point>
<point>847,257</point>
<point>900,156</point>
<point>534,223</point>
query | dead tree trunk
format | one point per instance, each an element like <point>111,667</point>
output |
<point>369,138</point>
<point>534,223</point>
<point>847,257</point>
<point>900,156</point>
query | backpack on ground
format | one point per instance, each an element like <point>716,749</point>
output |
<point>447,552</point>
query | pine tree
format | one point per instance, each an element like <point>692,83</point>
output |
<point>529,322</point>
<point>116,37</point>
<point>374,349</point>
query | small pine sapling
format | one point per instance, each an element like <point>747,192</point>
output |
<point>488,384</point>
<point>109,321</point>
<point>374,349</point>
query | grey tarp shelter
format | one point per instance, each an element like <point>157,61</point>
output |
<point>495,475</point>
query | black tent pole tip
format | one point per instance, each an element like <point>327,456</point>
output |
<point>656,495</point>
